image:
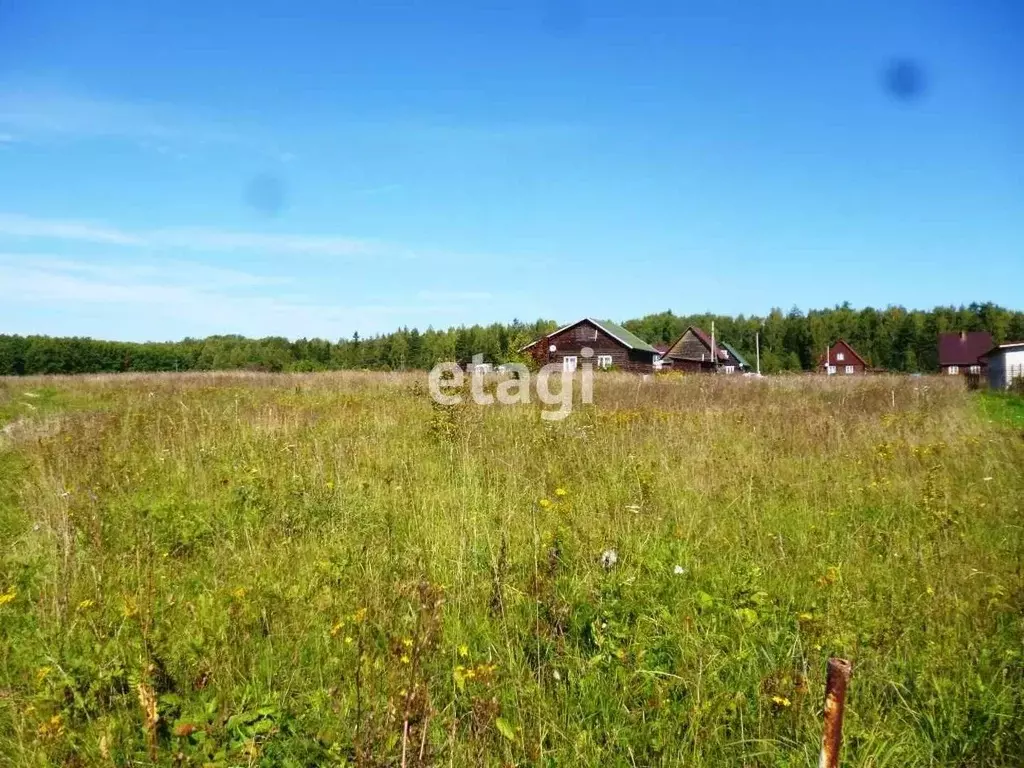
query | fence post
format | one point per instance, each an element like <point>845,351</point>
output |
<point>835,703</point>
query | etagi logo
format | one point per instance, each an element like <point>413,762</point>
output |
<point>447,382</point>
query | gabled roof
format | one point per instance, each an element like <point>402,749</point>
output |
<point>1008,346</point>
<point>850,349</point>
<point>734,353</point>
<point>617,332</point>
<point>963,348</point>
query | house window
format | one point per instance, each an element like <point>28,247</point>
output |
<point>569,363</point>
<point>729,369</point>
<point>840,356</point>
<point>831,370</point>
<point>604,361</point>
<point>974,369</point>
<point>849,369</point>
<point>953,370</point>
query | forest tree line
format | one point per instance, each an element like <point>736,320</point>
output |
<point>893,338</point>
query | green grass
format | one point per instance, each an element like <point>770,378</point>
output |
<point>1002,407</point>
<point>330,569</point>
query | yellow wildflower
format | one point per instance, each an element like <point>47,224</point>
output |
<point>337,628</point>
<point>8,597</point>
<point>85,605</point>
<point>781,701</point>
<point>407,642</point>
<point>239,593</point>
<point>405,658</point>
<point>359,616</point>
<point>544,503</point>
<point>463,650</point>
<point>561,492</point>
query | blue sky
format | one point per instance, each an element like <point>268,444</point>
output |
<point>301,169</point>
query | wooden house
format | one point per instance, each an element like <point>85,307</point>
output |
<point>604,344</point>
<point>841,359</point>
<point>696,352</point>
<point>962,353</point>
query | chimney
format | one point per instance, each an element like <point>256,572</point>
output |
<point>963,335</point>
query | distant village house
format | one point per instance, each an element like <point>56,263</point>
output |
<point>962,353</point>
<point>696,352</point>
<point>611,346</point>
<point>1005,364</point>
<point>841,359</point>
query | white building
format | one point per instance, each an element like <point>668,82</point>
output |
<point>1005,363</point>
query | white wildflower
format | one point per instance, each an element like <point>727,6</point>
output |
<point>679,570</point>
<point>609,558</point>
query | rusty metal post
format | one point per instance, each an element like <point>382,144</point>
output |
<point>835,703</point>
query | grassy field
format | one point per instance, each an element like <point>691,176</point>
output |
<point>331,569</point>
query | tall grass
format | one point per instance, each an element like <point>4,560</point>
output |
<point>331,569</point>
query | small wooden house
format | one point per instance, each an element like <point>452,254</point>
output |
<point>604,344</point>
<point>696,352</point>
<point>842,359</point>
<point>962,353</point>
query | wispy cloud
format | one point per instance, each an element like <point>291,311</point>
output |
<point>462,296</point>
<point>191,300</point>
<point>197,239</point>
<point>17,225</point>
<point>40,111</point>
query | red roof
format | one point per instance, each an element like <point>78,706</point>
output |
<point>963,348</point>
<point>840,345</point>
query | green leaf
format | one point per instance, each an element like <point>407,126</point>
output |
<point>505,729</point>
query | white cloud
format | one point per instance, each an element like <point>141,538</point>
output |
<point>16,225</point>
<point>460,296</point>
<point>197,239</point>
<point>42,111</point>
<point>172,301</point>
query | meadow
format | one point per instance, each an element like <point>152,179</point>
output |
<point>331,569</point>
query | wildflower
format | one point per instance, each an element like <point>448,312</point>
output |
<point>348,640</point>
<point>85,605</point>
<point>679,570</point>
<point>359,616</point>
<point>987,479</point>
<point>609,558</point>
<point>337,628</point>
<point>545,503</point>
<point>781,702</point>
<point>239,593</point>
<point>405,658</point>
<point>561,492</point>
<point>407,642</point>
<point>42,673</point>
<point>8,597</point>
<point>463,650</point>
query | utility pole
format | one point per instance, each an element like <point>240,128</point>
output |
<point>757,346</point>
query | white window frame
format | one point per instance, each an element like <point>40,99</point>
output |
<point>849,369</point>
<point>974,369</point>
<point>729,369</point>
<point>569,364</point>
<point>604,362</point>
<point>953,370</point>
<point>831,370</point>
<point>840,356</point>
